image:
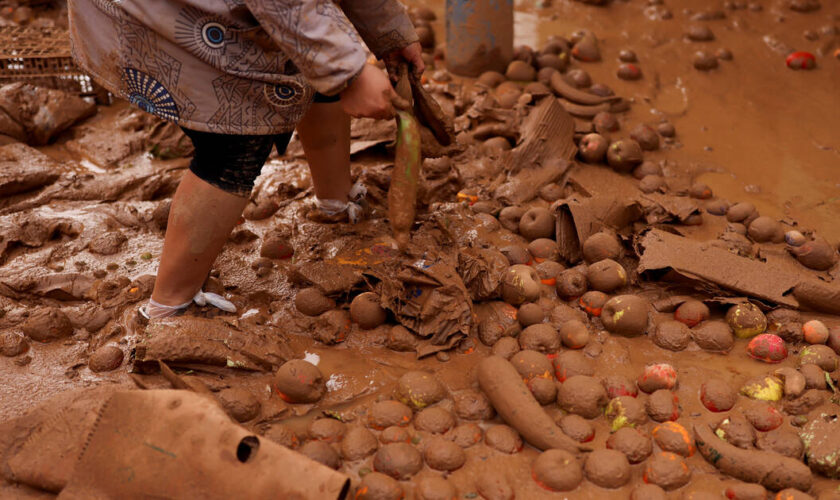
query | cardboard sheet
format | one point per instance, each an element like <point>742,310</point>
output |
<point>542,157</point>
<point>772,280</point>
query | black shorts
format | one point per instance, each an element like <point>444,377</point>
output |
<point>233,162</point>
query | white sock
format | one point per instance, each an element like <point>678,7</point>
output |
<point>352,207</point>
<point>155,310</point>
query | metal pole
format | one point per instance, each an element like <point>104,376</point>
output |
<point>479,36</point>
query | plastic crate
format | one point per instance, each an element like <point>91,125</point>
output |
<point>41,56</point>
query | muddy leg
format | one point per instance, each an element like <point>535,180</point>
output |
<point>324,133</point>
<point>200,221</point>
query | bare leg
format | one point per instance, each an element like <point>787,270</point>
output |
<point>200,221</point>
<point>324,133</point>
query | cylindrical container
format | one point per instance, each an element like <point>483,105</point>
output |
<point>479,36</point>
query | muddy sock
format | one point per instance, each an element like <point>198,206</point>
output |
<point>352,207</point>
<point>155,310</point>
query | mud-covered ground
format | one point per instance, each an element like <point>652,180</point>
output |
<point>500,263</point>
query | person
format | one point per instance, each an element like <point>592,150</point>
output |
<point>238,76</point>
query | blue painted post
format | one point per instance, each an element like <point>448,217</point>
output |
<point>479,36</point>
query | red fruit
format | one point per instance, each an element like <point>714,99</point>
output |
<point>676,414</point>
<point>593,302</point>
<point>815,332</point>
<point>691,312</point>
<point>717,397</point>
<point>801,60</point>
<point>771,419</point>
<point>658,376</point>
<point>768,348</point>
<point>629,71</point>
<point>619,386</point>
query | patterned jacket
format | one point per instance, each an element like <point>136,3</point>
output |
<point>231,66</point>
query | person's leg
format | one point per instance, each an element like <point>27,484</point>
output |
<point>205,208</point>
<point>324,133</point>
<point>200,220</point>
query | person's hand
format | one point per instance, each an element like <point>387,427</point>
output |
<point>411,54</point>
<point>370,95</point>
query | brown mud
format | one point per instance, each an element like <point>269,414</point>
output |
<point>392,391</point>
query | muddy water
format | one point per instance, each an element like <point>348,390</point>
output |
<point>750,125</point>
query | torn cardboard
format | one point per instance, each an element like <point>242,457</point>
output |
<point>482,271</point>
<point>579,217</point>
<point>777,279</point>
<point>543,156</point>
<point>660,208</point>
<point>429,298</point>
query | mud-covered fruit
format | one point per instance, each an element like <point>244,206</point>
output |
<point>816,254</point>
<point>657,376</point>
<point>521,71</point>
<point>671,335</point>
<point>647,138</point>
<point>520,284</point>
<point>704,61</point>
<point>606,276</point>
<point>763,229</point>
<point>623,155</point>
<point>574,334</point>
<point>509,217</point>
<point>312,302</point>
<point>674,438</point>
<point>299,381</point>
<point>543,249</point>
<point>717,395</point>
<point>741,212</point>
<point>106,358</point>
<point>491,79</point>
<point>605,122</point>
<point>529,314</point>
<point>571,284</point>
<point>768,348</point>
<point>536,223</point>
<point>628,71</point>
<point>593,148</point>
<point>419,389</point>
<point>691,312</point>
<point>557,470</point>
<point>746,320</point>
<point>593,302</point>
<point>601,245</point>
<point>626,315</point>
<point>651,184</point>
<point>366,311</point>
<point>764,388</point>
<point>815,332</point>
